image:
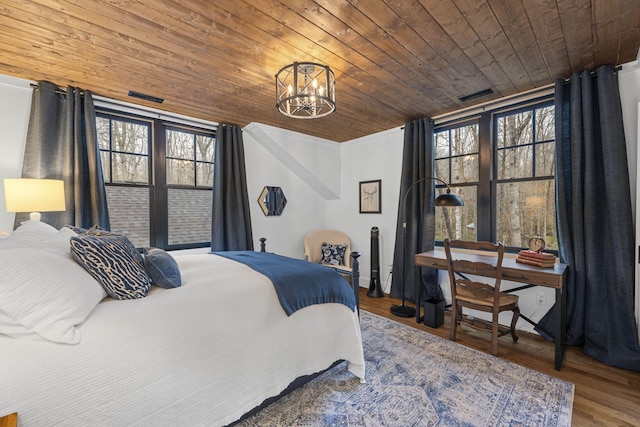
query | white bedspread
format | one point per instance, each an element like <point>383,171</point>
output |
<point>202,354</point>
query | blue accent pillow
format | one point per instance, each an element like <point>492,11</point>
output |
<point>162,268</point>
<point>115,263</point>
<point>333,254</point>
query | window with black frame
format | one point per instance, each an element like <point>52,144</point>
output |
<point>159,179</point>
<point>189,166</point>
<point>501,163</point>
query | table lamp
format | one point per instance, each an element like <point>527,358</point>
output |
<point>34,195</point>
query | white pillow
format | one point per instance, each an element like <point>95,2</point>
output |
<point>13,328</point>
<point>46,291</point>
<point>30,233</point>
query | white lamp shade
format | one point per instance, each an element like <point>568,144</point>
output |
<point>34,195</point>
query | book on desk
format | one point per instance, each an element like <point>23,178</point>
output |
<point>539,259</point>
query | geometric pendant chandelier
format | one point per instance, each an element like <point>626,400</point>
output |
<point>305,90</point>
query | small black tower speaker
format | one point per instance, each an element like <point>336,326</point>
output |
<point>375,290</point>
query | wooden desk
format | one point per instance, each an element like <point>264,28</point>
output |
<point>516,272</point>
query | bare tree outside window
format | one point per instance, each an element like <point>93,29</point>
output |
<point>124,148</point>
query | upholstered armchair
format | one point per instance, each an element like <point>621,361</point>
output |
<point>337,247</point>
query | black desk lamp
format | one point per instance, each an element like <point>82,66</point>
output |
<point>446,199</point>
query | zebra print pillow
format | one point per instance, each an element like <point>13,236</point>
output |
<point>115,263</point>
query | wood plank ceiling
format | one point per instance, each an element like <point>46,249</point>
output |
<point>394,60</point>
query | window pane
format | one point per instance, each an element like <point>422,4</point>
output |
<point>204,174</point>
<point>102,127</point>
<point>526,209</point>
<point>180,172</point>
<point>105,159</point>
<point>458,222</point>
<point>442,169</point>
<point>464,169</point>
<point>129,137</point>
<point>189,215</point>
<point>204,148</point>
<point>515,129</point>
<point>545,124</point>
<point>180,145</point>
<point>441,142</point>
<point>130,168</point>
<point>545,159</point>
<point>129,213</point>
<point>515,162</point>
<point>464,140</point>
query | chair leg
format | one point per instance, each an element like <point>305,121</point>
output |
<point>454,320</point>
<point>514,320</point>
<point>494,334</point>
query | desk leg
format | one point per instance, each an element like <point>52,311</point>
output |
<point>561,326</point>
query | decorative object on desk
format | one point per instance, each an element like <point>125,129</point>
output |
<point>34,195</point>
<point>370,196</point>
<point>375,289</point>
<point>272,201</point>
<point>480,295</point>
<point>305,90</point>
<point>447,200</point>
<point>537,244</point>
<point>537,258</point>
<point>448,384</point>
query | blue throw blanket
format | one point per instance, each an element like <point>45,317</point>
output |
<point>298,283</point>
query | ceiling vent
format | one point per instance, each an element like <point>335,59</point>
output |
<point>476,95</point>
<point>146,97</point>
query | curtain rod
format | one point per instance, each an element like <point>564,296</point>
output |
<point>494,104</point>
<point>519,97</point>
<point>58,88</point>
<point>593,72</point>
<point>128,107</point>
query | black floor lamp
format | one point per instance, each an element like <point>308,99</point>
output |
<point>446,199</point>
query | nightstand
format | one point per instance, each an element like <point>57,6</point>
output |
<point>10,420</point>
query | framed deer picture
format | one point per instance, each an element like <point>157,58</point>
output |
<point>370,201</point>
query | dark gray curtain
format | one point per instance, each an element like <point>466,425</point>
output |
<point>418,212</point>
<point>62,144</point>
<point>594,219</point>
<point>231,222</point>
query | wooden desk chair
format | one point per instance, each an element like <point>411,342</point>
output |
<point>478,295</point>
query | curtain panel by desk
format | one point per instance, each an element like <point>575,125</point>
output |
<point>419,214</point>
<point>594,219</point>
<point>62,143</point>
<point>230,218</point>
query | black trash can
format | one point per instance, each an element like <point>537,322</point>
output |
<point>433,312</point>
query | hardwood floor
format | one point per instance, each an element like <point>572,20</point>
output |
<point>604,396</point>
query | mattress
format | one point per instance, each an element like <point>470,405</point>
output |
<point>201,354</point>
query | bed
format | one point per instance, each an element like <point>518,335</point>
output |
<point>204,353</point>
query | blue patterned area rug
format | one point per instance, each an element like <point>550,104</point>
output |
<point>418,379</point>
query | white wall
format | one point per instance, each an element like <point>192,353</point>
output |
<point>377,156</point>
<point>15,102</point>
<point>302,157</point>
